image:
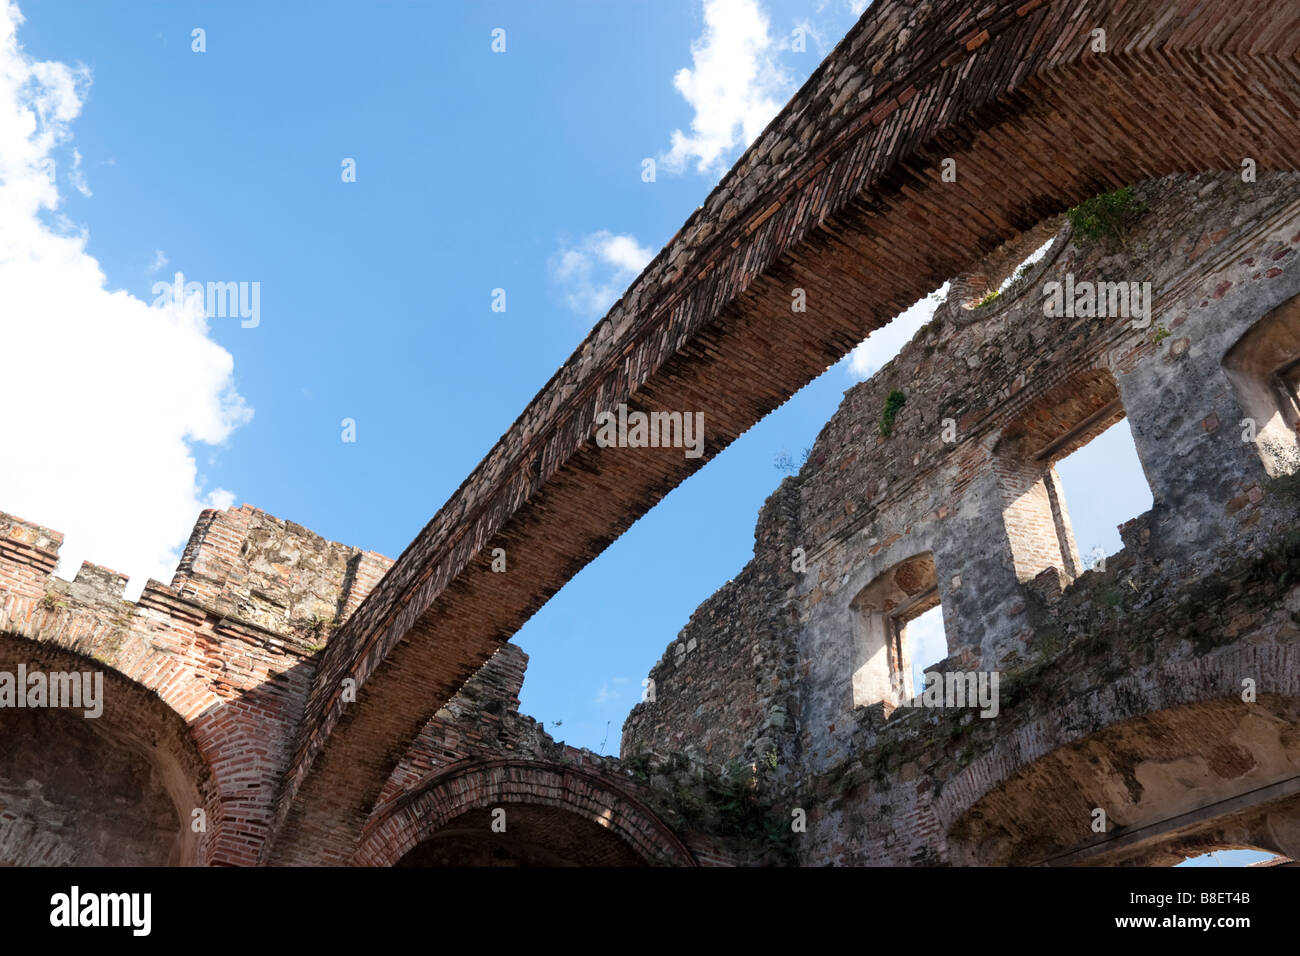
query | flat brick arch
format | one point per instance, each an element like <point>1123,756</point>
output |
<point>443,797</point>
<point>138,721</point>
<point>842,196</point>
<point>1094,751</point>
<point>1051,429</point>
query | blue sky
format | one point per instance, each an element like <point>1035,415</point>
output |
<point>475,171</point>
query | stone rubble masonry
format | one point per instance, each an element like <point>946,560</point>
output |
<point>1178,618</point>
<point>840,196</point>
<point>205,684</point>
<point>481,727</point>
<point>207,678</point>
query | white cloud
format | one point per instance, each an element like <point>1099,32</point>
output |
<point>883,344</point>
<point>77,176</point>
<point>595,272</point>
<point>609,693</point>
<point>106,392</point>
<point>734,85</point>
<point>159,261</point>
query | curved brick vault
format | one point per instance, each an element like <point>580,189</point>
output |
<point>100,816</point>
<point>204,677</point>
<point>1173,783</point>
<point>1170,751</point>
<point>843,197</point>
<point>605,825</point>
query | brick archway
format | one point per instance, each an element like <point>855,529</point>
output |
<point>1170,754</point>
<point>449,795</point>
<point>136,727</point>
<point>1034,105</point>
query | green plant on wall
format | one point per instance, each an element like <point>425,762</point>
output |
<point>1108,216</point>
<point>893,403</point>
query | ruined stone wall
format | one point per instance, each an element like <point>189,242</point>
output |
<point>724,690</point>
<point>205,678</point>
<point>482,724</point>
<point>1220,255</point>
<point>842,197</point>
<point>482,720</point>
<point>205,681</point>
<point>1121,688</point>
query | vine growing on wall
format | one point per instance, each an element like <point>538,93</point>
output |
<point>731,802</point>
<point>893,403</point>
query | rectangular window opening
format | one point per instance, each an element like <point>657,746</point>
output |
<point>920,643</point>
<point>1106,487</point>
<point>899,624</point>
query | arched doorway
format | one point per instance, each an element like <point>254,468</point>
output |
<point>501,812</point>
<point>1151,790</point>
<point>114,784</point>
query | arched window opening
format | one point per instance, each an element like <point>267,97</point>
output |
<point>1264,368</point>
<point>898,615</point>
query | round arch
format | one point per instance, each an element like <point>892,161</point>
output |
<point>137,748</point>
<point>1171,782</point>
<point>445,803</point>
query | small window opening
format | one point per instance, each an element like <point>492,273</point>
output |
<point>1264,368</point>
<point>928,645</point>
<point>899,625</point>
<point>1107,487</point>
<point>1074,434</point>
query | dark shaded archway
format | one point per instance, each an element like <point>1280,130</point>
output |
<point>533,836</point>
<point>553,815</point>
<point>72,795</point>
<point>120,788</point>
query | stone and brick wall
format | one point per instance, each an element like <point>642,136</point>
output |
<point>205,681</point>
<point>212,670</point>
<point>241,671</point>
<point>207,677</point>
<point>841,196</point>
<point>1014,381</point>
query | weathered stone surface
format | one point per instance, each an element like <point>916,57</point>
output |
<point>1144,659</point>
<point>308,707</point>
<point>860,218</point>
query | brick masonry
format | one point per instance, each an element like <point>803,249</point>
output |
<point>1197,601</point>
<point>245,666</point>
<point>842,196</point>
<point>205,680</point>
